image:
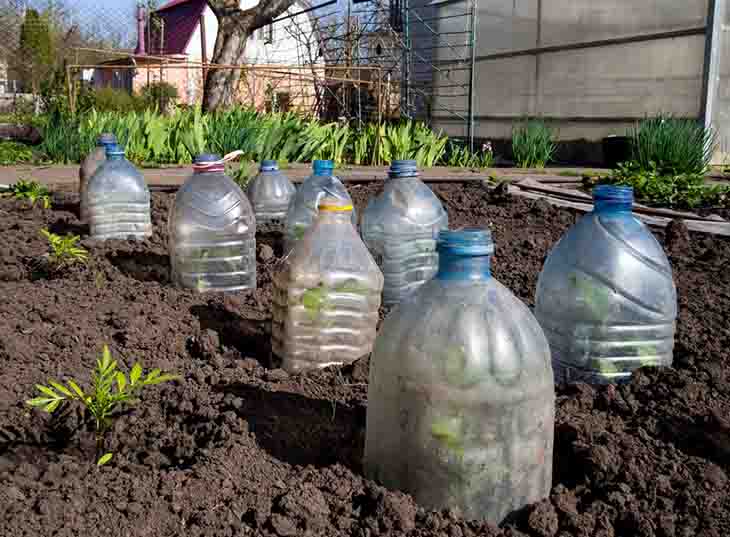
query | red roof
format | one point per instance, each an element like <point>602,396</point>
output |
<point>180,24</point>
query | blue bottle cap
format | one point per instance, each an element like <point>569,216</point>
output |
<point>467,242</point>
<point>205,158</point>
<point>613,194</point>
<point>403,168</point>
<point>323,165</point>
<point>106,138</point>
<point>269,165</point>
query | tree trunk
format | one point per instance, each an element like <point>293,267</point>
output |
<point>235,26</point>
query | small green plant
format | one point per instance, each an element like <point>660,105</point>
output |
<point>14,153</point>
<point>461,157</point>
<point>31,191</point>
<point>64,251</point>
<point>672,146</point>
<point>103,401</point>
<point>683,190</point>
<point>532,144</point>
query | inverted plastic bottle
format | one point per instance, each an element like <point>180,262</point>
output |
<point>91,163</point>
<point>327,295</point>
<point>270,193</point>
<point>461,400</point>
<point>117,200</point>
<point>303,205</point>
<point>605,297</point>
<point>400,227</point>
<point>212,232</point>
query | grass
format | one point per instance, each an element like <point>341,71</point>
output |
<point>532,144</point>
<point>672,146</point>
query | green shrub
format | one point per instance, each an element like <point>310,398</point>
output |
<point>460,156</point>
<point>672,146</point>
<point>14,153</point>
<point>681,191</point>
<point>115,100</point>
<point>532,144</point>
<point>158,94</point>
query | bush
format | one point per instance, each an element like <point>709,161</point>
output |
<point>113,100</point>
<point>672,146</point>
<point>532,144</point>
<point>159,94</point>
<point>14,153</point>
<point>681,191</point>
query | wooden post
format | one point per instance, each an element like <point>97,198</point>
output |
<point>203,46</point>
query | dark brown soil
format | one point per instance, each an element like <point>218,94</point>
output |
<point>239,448</point>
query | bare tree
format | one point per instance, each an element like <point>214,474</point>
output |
<point>235,26</point>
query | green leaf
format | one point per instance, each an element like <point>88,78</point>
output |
<point>161,378</point>
<point>104,459</point>
<point>121,381</point>
<point>135,374</point>
<point>61,388</point>
<point>39,401</point>
<point>52,406</point>
<point>152,375</point>
<point>47,391</point>
<point>75,388</point>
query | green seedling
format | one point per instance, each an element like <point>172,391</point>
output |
<point>298,231</point>
<point>31,191</point>
<point>111,390</point>
<point>315,301</point>
<point>450,433</point>
<point>605,367</point>
<point>594,296</point>
<point>63,250</point>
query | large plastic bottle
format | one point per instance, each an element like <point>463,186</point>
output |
<point>400,227</point>
<point>303,205</point>
<point>327,295</point>
<point>212,231</point>
<point>605,297</point>
<point>117,200</point>
<point>270,193</point>
<point>461,400</point>
<point>91,163</point>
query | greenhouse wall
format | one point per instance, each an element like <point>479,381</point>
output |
<point>591,68</point>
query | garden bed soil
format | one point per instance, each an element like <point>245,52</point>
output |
<point>238,447</point>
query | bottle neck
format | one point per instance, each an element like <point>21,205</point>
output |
<point>335,217</point>
<point>456,267</point>
<point>611,206</point>
<point>115,158</point>
<point>325,172</point>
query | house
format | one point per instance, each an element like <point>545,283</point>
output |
<point>280,59</point>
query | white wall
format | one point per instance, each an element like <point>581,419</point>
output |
<point>293,43</point>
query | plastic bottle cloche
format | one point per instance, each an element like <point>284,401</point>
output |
<point>212,231</point>
<point>117,201</point>
<point>461,399</point>
<point>605,297</point>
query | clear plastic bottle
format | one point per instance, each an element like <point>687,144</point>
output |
<point>117,200</point>
<point>303,205</point>
<point>605,297</point>
<point>400,227</point>
<point>91,163</point>
<point>327,295</point>
<point>270,193</point>
<point>461,401</point>
<point>212,232</point>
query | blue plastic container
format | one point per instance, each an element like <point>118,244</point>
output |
<point>461,400</point>
<point>270,193</point>
<point>605,297</point>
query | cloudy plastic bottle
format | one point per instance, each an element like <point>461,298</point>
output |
<point>270,193</point>
<point>605,297</point>
<point>212,232</point>
<point>91,163</point>
<point>327,295</point>
<point>400,227</point>
<point>461,400</point>
<point>303,205</point>
<point>117,200</point>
